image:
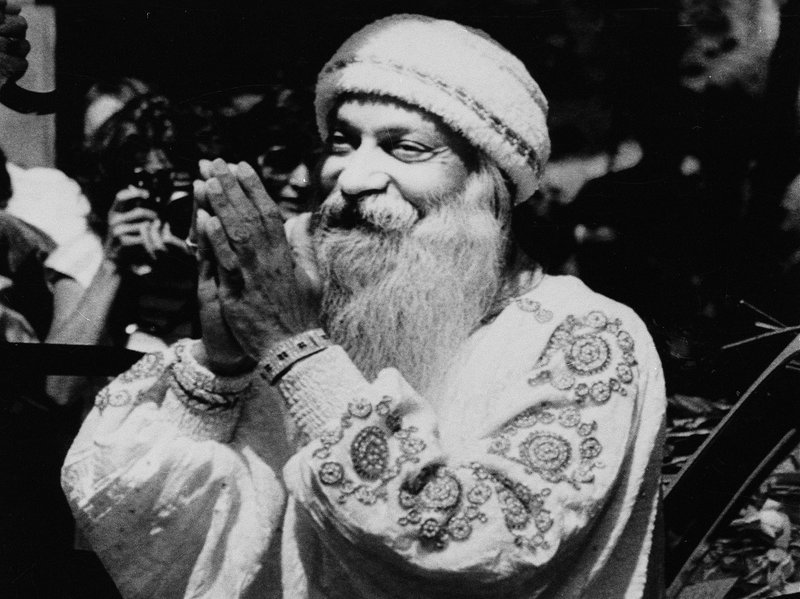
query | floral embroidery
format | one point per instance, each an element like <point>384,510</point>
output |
<point>441,511</point>
<point>521,507</point>
<point>361,408</point>
<point>569,417</point>
<point>590,448</point>
<point>588,355</point>
<point>588,347</point>
<point>331,473</point>
<point>116,399</point>
<point>441,493</point>
<point>527,304</point>
<point>546,453</point>
<point>430,529</point>
<point>439,496</point>
<point>459,528</point>
<point>369,452</point>
<point>105,398</point>
<point>147,366</point>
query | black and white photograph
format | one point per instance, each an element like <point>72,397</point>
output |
<point>400,299</point>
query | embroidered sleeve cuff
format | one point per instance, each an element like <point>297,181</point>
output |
<point>202,404</point>
<point>319,388</point>
<point>192,375</point>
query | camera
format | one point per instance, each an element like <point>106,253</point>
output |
<point>170,196</point>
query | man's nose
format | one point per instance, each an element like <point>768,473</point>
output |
<point>361,173</point>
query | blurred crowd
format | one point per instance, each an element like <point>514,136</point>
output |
<point>100,256</point>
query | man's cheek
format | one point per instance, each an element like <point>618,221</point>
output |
<point>329,174</point>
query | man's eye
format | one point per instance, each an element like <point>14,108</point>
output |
<point>410,150</point>
<point>338,143</point>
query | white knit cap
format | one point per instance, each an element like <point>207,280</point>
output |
<point>459,74</point>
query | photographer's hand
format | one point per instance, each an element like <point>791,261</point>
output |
<point>129,228</point>
<point>263,297</point>
<point>13,45</point>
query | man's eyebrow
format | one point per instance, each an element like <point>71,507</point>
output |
<point>340,124</point>
<point>390,130</point>
<point>396,131</point>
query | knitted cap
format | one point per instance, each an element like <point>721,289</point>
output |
<point>459,74</point>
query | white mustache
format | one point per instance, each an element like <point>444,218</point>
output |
<point>384,212</point>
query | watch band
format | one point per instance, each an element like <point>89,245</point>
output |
<point>283,354</point>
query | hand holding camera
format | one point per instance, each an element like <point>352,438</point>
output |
<point>13,45</point>
<point>137,235</point>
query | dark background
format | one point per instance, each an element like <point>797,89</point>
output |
<point>587,55</point>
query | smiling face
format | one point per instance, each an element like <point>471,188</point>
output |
<point>410,244</point>
<point>389,165</point>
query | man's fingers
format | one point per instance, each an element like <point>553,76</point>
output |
<point>239,229</point>
<point>235,199</point>
<point>200,195</point>
<point>205,255</point>
<point>205,168</point>
<point>218,201</point>
<point>255,191</point>
<point>229,273</point>
<point>233,190</point>
<point>226,257</point>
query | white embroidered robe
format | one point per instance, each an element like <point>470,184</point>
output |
<point>535,475</point>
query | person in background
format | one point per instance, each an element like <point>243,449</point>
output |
<point>26,299</point>
<point>437,418</point>
<point>140,189</point>
<point>77,275</point>
<point>105,98</point>
<point>276,136</point>
<point>36,527</point>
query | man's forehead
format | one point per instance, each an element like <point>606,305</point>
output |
<point>386,111</point>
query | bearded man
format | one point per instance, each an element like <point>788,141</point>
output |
<point>432,416</point>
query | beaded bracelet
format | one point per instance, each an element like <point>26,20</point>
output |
<point>282,355</point>
<point>198,388</point>
<point>192,376</point>
<point>200,399</point>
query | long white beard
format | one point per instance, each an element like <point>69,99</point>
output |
<point>410,296</point>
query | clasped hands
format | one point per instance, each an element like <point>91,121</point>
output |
<point>251,291</point>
